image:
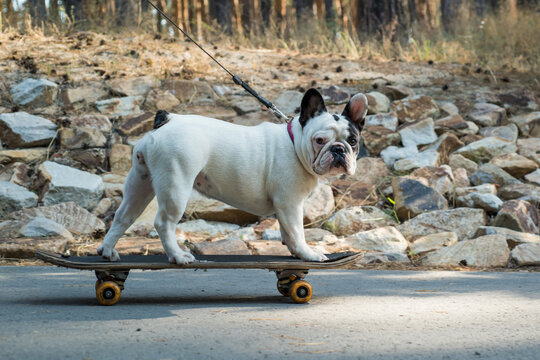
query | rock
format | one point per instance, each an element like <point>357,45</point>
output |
<point>120,158</point>
<point>58,183</point>
<point>144,224</point>
<point>352,193</point>
<point>202,207</point>
<point>21,129</point>
<point>243,105</point>
<point>103,207</point>
<point>388,120</point>
<point>513,237</point>
<point>138,124</point>
<point>518,215</point>
<point>117,107</point>
<point>43,227</point>
<point>460,177</point>
<point>221,247</point>
<point>447,108</point>
<point>425,158</point>
<point>519,99</point>
<point>289,101</point>
<point>138,86</point>
<point>492,174</point>
<point>370,170</point>
<point>487,148</point>
<point>462,221</point>
<point>533,177</point>
<point>489,202</point>
<point>79,97</point>
<point>27,156</point>
<point>398,92</point>
<point>384,239</point>
<point>439,179</point>
<point>319,235</point>
<point>26,248</point>
<point>528,124</point>
<point>244,234</point>
<point>485,114</point>
<point>470,138</point>
<point>508,132</point>
<point>432,242</point>
<point>393,153</point>
<point>189,91</point>
<point>262,247</point>
<point>83,159</point>
<point>415,108</point>
<point>485,251</point>
<point>530,148</point>
<point>270,234</point>
<point>375,258</point>
<point>10,229</point>
<point>445,145</point>
<point>520,191</point>
<point>92,121</point>
<point>207,228</point>
<point>266,224</point>
<point>14,197</point>
<point>413,198</point>
<point>516,165</point>
<point>378,138</point>
<point>161,100</point>
<point>455,124</point>
<point>70,215</point>
<point>377,103</point>
<point>417,133</point>
<point>221,90</point>
<point>331,95</point>
<point>319,205</point>
<point>358,218</point>
<point>526,255</point>
<point>480,189</point>
<point>457,161</point>
<point>81,138</point>
<point>16,173</point>
<point>34,93</point>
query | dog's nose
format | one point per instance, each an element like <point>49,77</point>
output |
<point>338,149</point>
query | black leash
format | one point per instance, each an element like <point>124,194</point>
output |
<point>237,80</point>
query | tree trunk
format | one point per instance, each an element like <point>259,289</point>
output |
<point>266,8</point>
<point>74,9</point>
<point>37,11</point>
<point>54,13</point>
<point>220,10</point>
<point>245,15</point>
<point>450,10</point>
<point>304,8</point>
<point>329,10</point>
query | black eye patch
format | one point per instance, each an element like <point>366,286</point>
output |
<point>336,117</point>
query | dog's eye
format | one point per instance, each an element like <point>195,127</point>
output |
<point>352,141</point>
<point>319,140</point>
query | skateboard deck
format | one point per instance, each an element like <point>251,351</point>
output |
<point>112,275</point>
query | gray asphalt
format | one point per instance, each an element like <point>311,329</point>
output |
<point>52,313</point>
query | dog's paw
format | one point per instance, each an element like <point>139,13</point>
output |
<point>109,254</point>
<point>311,255</point>
<point>181,257</point>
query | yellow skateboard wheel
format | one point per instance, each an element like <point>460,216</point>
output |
<point>108,293</point>
<point>98,282</point>
<point>301,291</point>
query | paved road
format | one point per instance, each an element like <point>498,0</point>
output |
<point>51,313</point>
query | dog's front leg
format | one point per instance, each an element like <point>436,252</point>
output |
<point>292,226</point>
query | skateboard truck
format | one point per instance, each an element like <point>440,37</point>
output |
<point>109,286</point>
<point>291,283</point>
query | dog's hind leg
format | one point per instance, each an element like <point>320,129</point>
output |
<point>138,193</point>
<point>172,199</point>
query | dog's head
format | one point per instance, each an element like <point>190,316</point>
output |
<point>330,142</point>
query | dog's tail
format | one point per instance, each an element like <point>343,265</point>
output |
<point>162,117</point>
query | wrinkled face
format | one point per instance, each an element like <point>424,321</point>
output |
<point>333,139</point>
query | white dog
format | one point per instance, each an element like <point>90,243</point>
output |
<point>265,169</point>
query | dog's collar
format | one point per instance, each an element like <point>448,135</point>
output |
<point>289,129</point>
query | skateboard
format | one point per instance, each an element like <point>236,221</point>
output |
<point>111,276</point>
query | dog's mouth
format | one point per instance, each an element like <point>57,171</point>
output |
<point>332,163</point>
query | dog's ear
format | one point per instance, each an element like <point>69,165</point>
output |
<point>312,105</point>
<point>356,109</point>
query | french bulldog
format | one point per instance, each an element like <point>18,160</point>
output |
<point>266,169</point>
